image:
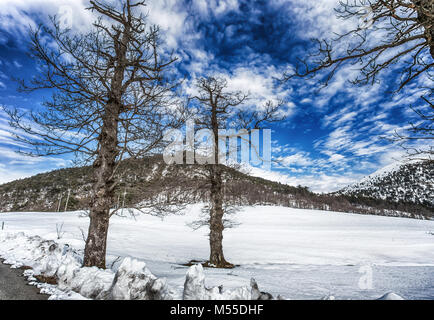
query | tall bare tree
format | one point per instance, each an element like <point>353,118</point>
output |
<point>112,99</point>
<point>220,108</point>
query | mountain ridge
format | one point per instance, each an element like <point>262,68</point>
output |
<point>149,179</point>
<point>410,182</point>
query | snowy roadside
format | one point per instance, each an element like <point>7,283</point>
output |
<point>131,281</point>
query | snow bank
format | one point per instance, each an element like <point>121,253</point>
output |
<point>195,289</point>
<point>92,283</point>
<point>43,256</point>
<point>390,296</point>
<point>132,280</point>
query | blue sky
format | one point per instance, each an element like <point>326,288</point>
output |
<point>330,138</point>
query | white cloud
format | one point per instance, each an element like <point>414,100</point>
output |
<point>316,19</point>
<point>215,7</point>
<point>336,157</point>
<point>7,175</point>
<point>171,18</point>
<point>259,83</point>
<point>338,139</point>
<point>322,182</point>
<point>16,16</point>
<point>17,64</point>
<point>298,159</point>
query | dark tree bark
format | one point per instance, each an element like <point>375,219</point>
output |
<point>103,193</point>
<point>216,226</point>
<point>216,257</point>
<point>425,17</point>
<point>105,162</point>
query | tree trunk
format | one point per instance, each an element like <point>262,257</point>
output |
<point>96,243</point>
<point>216,226</point>
<point>103,191</point>
<point>216,258</point>
<point>422,7</point>
<point>105,163</point>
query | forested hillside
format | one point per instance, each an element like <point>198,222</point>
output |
<point>151,181</point>
<point>411,183</point>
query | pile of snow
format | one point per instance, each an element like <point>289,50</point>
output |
<point>194,288</point>
<point>92,283</point>
<point>43,256</point>
<point>328,297</point>
<point>132,280</point>
<point>391,296</point>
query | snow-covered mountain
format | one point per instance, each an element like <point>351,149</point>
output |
<point>410,182</point>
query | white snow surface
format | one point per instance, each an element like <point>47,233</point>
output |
<point>391,296</point>
<point>134,281</point>
<point>295,253</point>
<point>195,289</point>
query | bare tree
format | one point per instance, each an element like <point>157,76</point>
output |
<point>218,108</point>
<point>406,29</point>
<point>407,35</point>
<point>112,99</point>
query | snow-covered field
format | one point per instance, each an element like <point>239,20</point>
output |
<point>299,254</point>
